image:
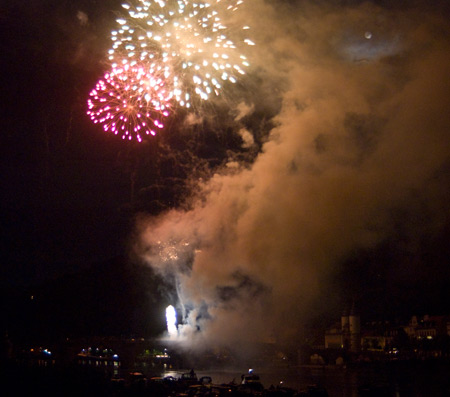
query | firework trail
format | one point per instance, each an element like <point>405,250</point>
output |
<point>181,45</point>
<point>189,38</point>
<point>130,101</point>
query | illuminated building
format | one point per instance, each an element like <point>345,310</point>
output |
<point>427,327</point>
<point>348,335</point>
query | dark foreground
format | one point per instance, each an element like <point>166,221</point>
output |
<point>426,379</point>
<point>18,380</point>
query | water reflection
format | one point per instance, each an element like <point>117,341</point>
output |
<point>400,380</point>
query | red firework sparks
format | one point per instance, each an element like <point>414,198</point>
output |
<point>130,101</point>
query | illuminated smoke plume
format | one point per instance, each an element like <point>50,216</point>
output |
<point>361,136</point>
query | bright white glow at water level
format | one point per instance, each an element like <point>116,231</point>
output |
<point>171,319</point>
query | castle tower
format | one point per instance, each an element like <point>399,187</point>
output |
<point>354,322</point>
<point>345,329</point>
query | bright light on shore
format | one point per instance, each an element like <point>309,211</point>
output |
<point>171,319</point>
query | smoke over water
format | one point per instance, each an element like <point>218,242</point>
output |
<point>361,136</point>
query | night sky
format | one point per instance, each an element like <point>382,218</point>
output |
<point>53,207</point>
<point>321,179</point>
<point>69,191</point>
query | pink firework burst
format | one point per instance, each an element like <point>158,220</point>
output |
<point>130,102</point>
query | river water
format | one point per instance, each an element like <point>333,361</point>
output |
<point>428,379</point>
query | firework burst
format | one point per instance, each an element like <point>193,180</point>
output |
<point>130,101</point>
<point>188,37</point>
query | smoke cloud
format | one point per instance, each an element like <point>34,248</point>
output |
<point>361,134</point>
